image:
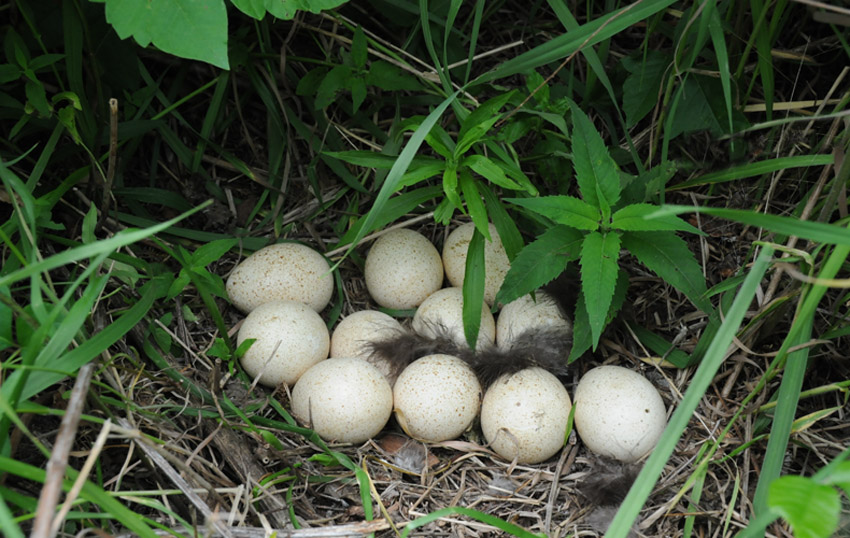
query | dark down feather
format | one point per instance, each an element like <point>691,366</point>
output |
<point>404,347</point>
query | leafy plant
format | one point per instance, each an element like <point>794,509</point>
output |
<point>592,229</point>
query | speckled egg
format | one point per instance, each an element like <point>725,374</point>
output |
<point>619,414</point>
<point>402,269</point>
<point>496,262</point>
<point>436,398</point>
<point>352,335</point>
<point>281,272</point>
<point>524,415</point>
<point>443,311</point>
<point>290,338</point>
<point>527,313</point>
<point>343,399</point>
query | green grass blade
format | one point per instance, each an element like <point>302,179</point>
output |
<point>397,172</point>
<point>684,412</point>
<point>792,379</point>
<point>755,169</point>
<point>804,229</point>
<point>89,492</point>
<point>473,288</point>
<point>504,526</point>
<point>7,522</point>
<point>587,35</point>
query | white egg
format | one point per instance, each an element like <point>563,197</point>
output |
<point>281,272</point>
<point>524,415</point>
<point>436,398</point>
<point>343,399</point>
<point>290,338</point>
<point>527,313</point>
<point>619,413</point>
<point>496,262</point>
<point>443,311</point>
<point>353,334</point>
<point>402,269</point>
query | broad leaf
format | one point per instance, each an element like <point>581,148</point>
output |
<point>483,166</point>
<point>286,9</point>
<point>633,218</point>
<point>450,185</point>
<point>600,254</point>
<point>640,89</point>
<point>333,83</point>
<point>540,262</point>
<point>563,210</point>
<point>193,29</point>
<point>668,256</point>
<point>812,509</point>
<point>474,204</point>
<point>388,77</point>
<point>582,335</point>
<point>596,171</point>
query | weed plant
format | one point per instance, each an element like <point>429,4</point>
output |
<point>684,165</point>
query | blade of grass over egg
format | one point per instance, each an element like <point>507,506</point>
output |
<point>390,185</point>
<point>473,288</point>
<point>700,382</point>
<point>792,378</point>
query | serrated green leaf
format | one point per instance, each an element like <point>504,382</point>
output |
<point>640,89</point>
<point>388,77</point>
<point>193,29</point>
<point>599,261</point>
<point>540,262</point>
<point>596,171</point>
<point>473,288</point>
<point>483,166</point>
<point>582,334</point>
<point>668,256</point>
<point>563,210</point>
<point>633,218</point>
<point>810,508</point>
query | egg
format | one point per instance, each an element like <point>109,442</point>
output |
<point>524,415</point>
<point>496,263</point>
<point>290,338</point>
<point>526,313</point>
<point>402,269</point>
<point>443,311</point>
<point>343,399</point>
<point>436,398</point>
<point>619,413</point>
<point>285,271</point>
<point>353,334</point>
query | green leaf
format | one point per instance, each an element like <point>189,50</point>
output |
<point>335,81</point>
<point>206,254</point>
<point>483,166</point>
<point>810,508</point>
<point>474,204</point>
<point>596,172</point>
<point>563,210</point>
<point>253,8</point>
<point>450,187</point>
<point>473,288</point>
<point>702,107</point>
<point>641,87</point>
<point>193,29</point>
<point>582,334</point>
<point>668,256</point>
<point>358,92</point>
<point>388,77</point>
<point>286,9</point>
<point>479,122</point>
<point>818,232</point>
<point>600,254</point>
<point>540,262</point>
<point>633,218</point>
<point>359,52</point>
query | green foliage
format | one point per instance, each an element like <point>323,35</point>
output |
<point>603,227</point>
